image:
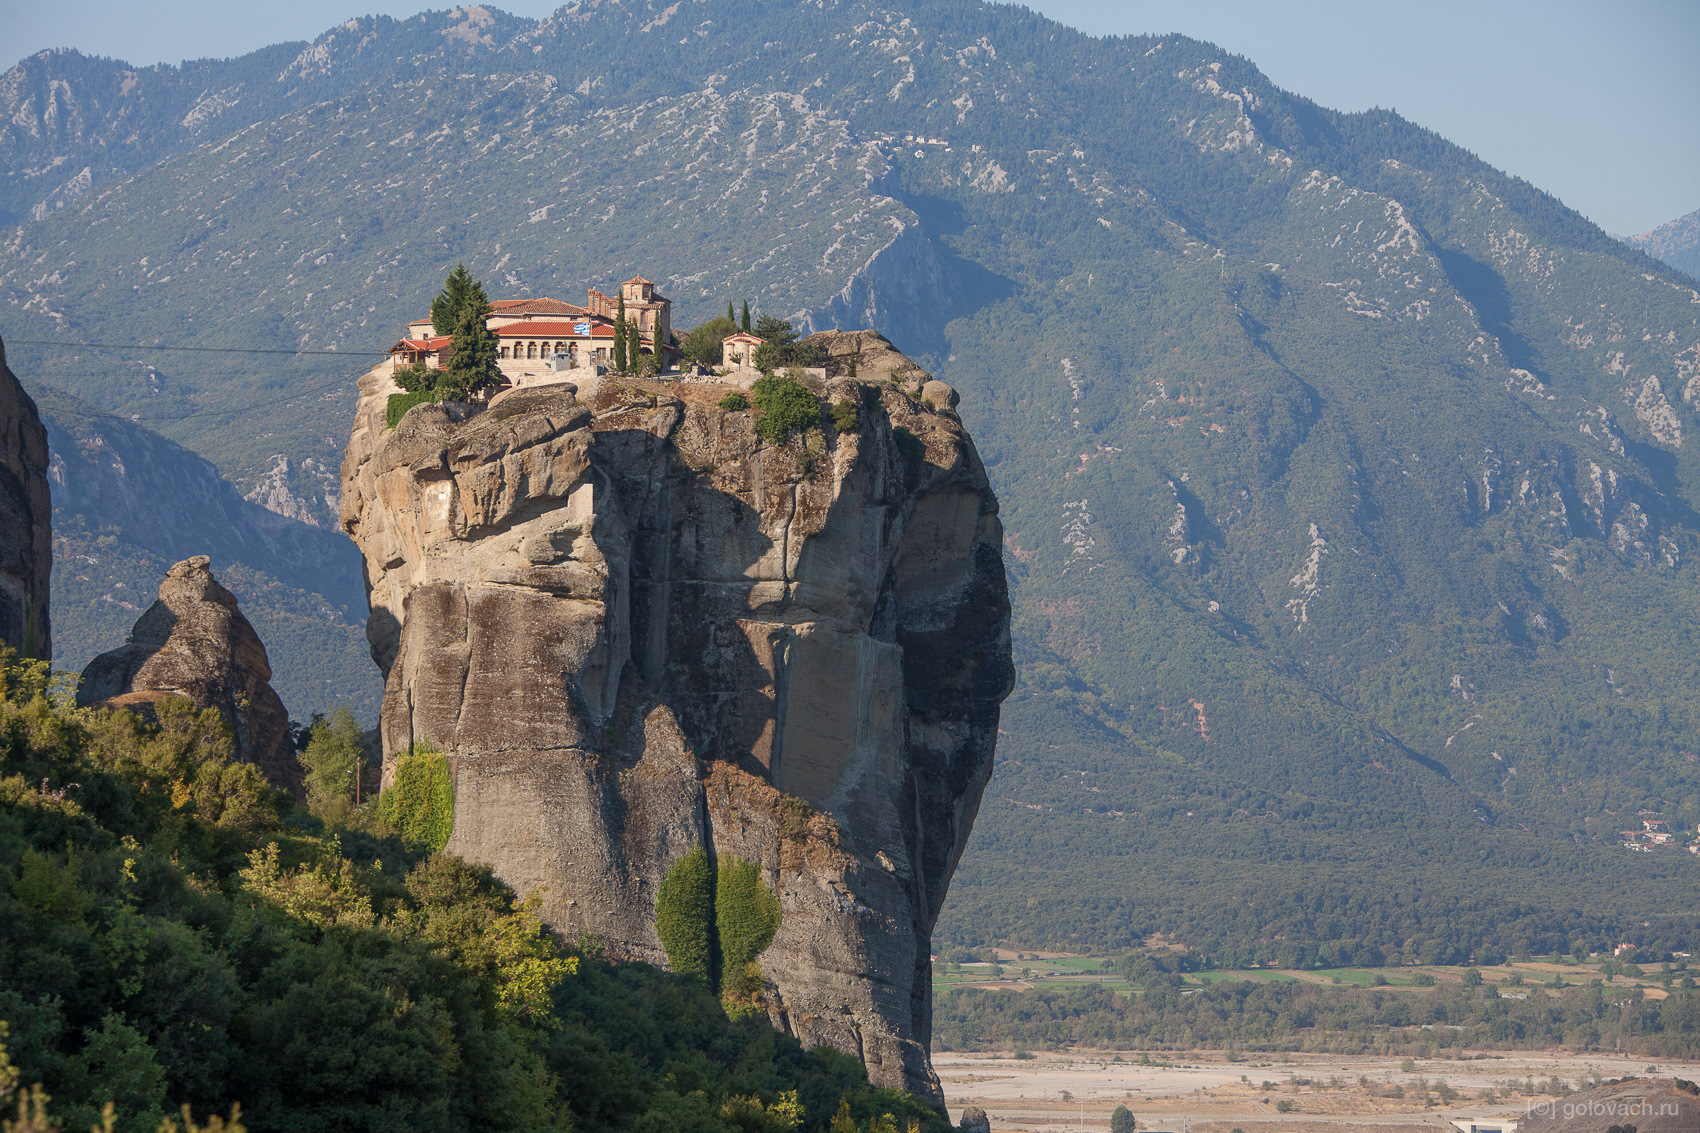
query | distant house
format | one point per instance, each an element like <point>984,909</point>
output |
<point>738,351</point>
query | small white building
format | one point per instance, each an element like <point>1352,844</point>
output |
<point>738,351</point>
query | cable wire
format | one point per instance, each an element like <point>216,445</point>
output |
<point>196,349</point>
<point>209,412</point>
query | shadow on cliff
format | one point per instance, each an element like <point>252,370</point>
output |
<point>682,617</point>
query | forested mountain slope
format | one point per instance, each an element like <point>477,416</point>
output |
<point>1349,482</point>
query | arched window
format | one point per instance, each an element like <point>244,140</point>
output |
<point>531,350</point>
<point>504,352</point>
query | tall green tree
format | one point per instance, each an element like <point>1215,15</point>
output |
<point>333,760</point>
<point>620,336</point>
<point>746,323</point>
<point>472,365</point>
<point>634,346</point>
<point>702,344</point>
<point>459,289</point>
<point>731,315</point>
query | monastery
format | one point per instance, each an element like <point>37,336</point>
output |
<point>536,335</point>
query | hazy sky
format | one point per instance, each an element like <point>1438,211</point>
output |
<point>1596,101</point>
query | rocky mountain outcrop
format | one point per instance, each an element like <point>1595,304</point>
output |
<point>26,533</point>
<point>194,642</point>
<point>128,502</point>
<point>638,630</point>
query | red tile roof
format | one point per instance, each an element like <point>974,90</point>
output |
<point>426,344</point>
<point>540,329</point>
<point>540,306</point>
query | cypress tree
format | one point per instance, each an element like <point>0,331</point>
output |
<point>746,316</point>
<point>620,337</point>
<point>731,315</point>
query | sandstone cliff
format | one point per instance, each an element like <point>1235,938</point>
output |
<point>194,642</point>
<point>638,630</point>
<point>26,516</point>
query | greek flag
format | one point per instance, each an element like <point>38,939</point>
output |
<point>582,328</point>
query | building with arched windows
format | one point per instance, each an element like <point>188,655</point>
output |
<point>536,336</point>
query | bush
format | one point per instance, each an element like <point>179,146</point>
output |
<point>787,407</point>
<point>684,916</point>
<point>416,377</point>
<point>845,417</point>
<point>1284,1106</point>
<point>1121,1121</point>
<point>746,911</point>
<point>400,403</point>
<point>734,403</point>
<point>420,802</point>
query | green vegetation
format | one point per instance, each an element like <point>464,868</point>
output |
<point>746,915</point>
<point>703,343</point>
<point>785,406</point>
<point>335,764</point>
<point>1121,1120</point>
<point>1260,1015</point>
<point>684,917</point>
<point>459,292</point>
<point>420,802</point>
<point>746,911</point>
<point>845,417</point>
<point>471,364</point>
<point>622,362</point>
<point>782,348</point>
<point>734,403</point>
<point>460,310</point>
<point>399,403</point>
<point>714,919</point>
<point>173,932</point>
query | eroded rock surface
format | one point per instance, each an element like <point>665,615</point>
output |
<point>194,642</point>
<point>26,521</point>
<point>638,630</point>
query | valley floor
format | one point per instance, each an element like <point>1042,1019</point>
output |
<point>1202,1092</point>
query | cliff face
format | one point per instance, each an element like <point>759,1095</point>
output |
<point>637,630</point>
<point>26,516</point>
<point>194,642</point>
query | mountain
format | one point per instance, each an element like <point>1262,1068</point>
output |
<point>1676,242</point>
<point>1349,483</point>
<point>127,503</point>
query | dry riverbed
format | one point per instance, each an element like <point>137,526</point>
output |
<point>1202,1092</point>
